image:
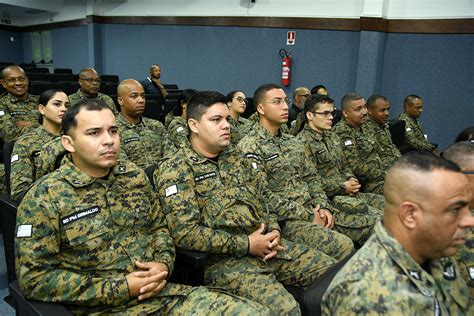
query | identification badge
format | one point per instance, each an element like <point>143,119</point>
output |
<point>348,143</point>
<point>24,231</point>
<point>171,190</point>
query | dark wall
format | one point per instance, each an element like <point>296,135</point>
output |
<point>11,51</point>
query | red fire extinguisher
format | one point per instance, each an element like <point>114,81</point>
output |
<point>285,67</point>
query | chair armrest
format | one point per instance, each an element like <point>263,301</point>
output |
<point>193,258</point>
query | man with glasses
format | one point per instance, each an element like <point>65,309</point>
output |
<point>322,147</point>
<point>291,177</point>
<point>299,96</point>
<point>90,85</point>
<point>378,109</point>
<point>358,146</point>
<point>18,109</point>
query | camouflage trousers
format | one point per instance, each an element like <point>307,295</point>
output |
<point>373,199</point>
<point>319,238</point>
<point>263,282</point>
<point>373,186</point>
<point>465,259</point>
<point>355,218</point>
<point>190,301</point>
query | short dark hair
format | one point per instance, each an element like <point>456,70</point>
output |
<point>314,90</point>
<point>44,98</point>
<point>259,94</point>
<point>69,119</point>
<point>313,102</point>
<point>183,97</point>
<point>424,161</point>
<point>409,99</point>
<point>201,101</point>
<point>348,98</point>
<point>461,153</point>
<point>373,98</point>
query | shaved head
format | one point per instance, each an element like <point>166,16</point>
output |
<point>11,68</point>
<point>125,86</point>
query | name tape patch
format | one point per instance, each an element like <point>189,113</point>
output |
<point>131,139</point>
<point>24,231</point>
<point>15,157</point>
<point>408,129</point>
<point>271,157</point>
<point>171,190</point>
<point>204,176</point>
<point>69,219</point>
<point>17,113</point>
<point>179,129</point>
<point>348,143</point>
<point>251,155</point>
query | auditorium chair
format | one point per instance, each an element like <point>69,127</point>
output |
<point>62,71</point>
<point>250,109</point>
<point>109,78</point>
<point>397,131</point>
<point>154,110</point>
<point>35,70</point>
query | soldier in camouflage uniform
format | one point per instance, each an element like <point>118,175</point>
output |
<point>18,109</point>
<point>52,106</point>
<point>359,147</point>
<point>90,85</point>
<point>414,135</point>
<point>178,127</point>
<point>92,235</point>
<point>239,126</point>
<point>215,201</point>
<point>405,267</point>
<point>291,177</point>
<point>462,153</point>
<point>144,141</point>
<point>378,109</point>
<point>322,147</point>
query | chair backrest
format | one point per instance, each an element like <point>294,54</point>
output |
<point>109,78</point>
<point>171,86</point>
<point>397,129</point>
<point>154,110</point>
<point>62,71</point>
<point>35,70</point>
<point>149,173</point>
<point>250,109</point>
<point>7,160</point>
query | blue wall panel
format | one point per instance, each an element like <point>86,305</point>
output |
<point>11,51</point>
<point>70,48</point>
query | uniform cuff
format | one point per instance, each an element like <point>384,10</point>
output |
<point>120,291</point>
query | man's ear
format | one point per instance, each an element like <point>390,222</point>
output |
<point>260,108</point>
<point>344,113</point>
<point>3,83</point>
<point>192,123</point>
<point>120,100</point>
<point>409,214</point>
<point>309,116</point>
<point>68,143</point>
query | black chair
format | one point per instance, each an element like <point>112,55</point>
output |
<point>397,130</point>
<point>7,153</point>
<point>36,70</point>
<point>8,216</point>
<point>62,77</point>
<point>171,86</point>
<point>170,105</point>
<point>336,117</point>
<point>27,65</point>
<point>109,88</point>
<point>154,110</point>
<point>62,71</point>
<point>114,98</point>
<point>38,87</point>
<point>5,63</point>
<point>250,109</point>
<point>109,78</point>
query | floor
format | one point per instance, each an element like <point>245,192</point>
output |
<point>5,309</point>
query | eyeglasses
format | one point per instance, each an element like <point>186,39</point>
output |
<point>325,114</point>
<point>304,95</point>
<point>90,80</point>
<point>278,101</point>
<point>241,100</point>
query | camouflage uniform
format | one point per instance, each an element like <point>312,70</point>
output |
<point>79,95</point>
<point>212,207</point>
<point>254,118</point>
<point>178,131</point>
<point>382,278</point>
<point>359,150</point>
<point>145,143</point>
<point>3,184</point>
<point>239,128</point>
<point>78,237</point>
<point>386,149</point>
<point>465,259</point>
<point>293,179</point>
<point>363,209</point>
<point>168,118</point>
<point>414,135</point>
<point>299,123</point>
<point>24,160</point>
<point>12,110</point>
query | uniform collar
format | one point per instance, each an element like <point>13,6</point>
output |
<point>408,117</point>
<point>83,96</point>
<point>262,132</point>
<point>195,158</point>
<point>312,133</point>
<point>122,120</point>
<point>13,99</point>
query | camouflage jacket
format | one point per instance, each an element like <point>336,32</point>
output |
<point>324,149</point>
<point>289,174</point>
<point>298,124</point>
<point>254,118</point>
<point>239,128</point>
<point>212,206</point>
<point>382,278</point>
<point>414,135</point>
<point>386,149</point>
<point>12,110</point>
<point>178,131</point>
<point>77,238</point>
<point>145,143</point>
<point>168,118</point>
<point>24,160</point>
<point>79,95</point>
<point>360,152</point>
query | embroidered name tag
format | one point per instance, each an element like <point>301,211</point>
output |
<point>69,219</point>
<point>348,142</point>
<point>251,155</point>
<point>24,231</point>
<point>204,176</point>
<point>17,113</point>
<point>131,139</point>
<point>271,157</point>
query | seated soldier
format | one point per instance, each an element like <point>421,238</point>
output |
<point>144,141</point>
<point>18,109</point>
<point>378,109</point>
<point>239,126</point>
<point>297,105</point>
<point>92,235</point>
<point>462,153</point>
<point>212,198</point>
<point>321,146</point>
<point>52,106</point>
<point>359,147</point>
<point>405,267</point>
<point>89,82</point>
<point>178,127</point>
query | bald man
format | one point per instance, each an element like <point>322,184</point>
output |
<point>89,82</point>
<point>299,96</point>
<point>462,153</point>
<point>405,267</point>
<point>18,109</point>
<point>143,140</point>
